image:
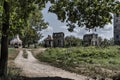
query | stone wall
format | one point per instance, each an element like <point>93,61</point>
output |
<point>58,39</point>
<point>116,30</point>
<point>90,39</point>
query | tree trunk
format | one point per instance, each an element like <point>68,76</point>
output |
<point>4,42</point>
<point>35,45</point>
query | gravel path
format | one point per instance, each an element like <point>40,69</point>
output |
<point>31,67</point>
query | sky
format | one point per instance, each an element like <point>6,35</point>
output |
<point>56,26</point>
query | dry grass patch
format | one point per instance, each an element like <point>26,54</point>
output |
<point>12,53</point>
<point>37,51</point>
<point>13,71</point>
<point>25,55</point>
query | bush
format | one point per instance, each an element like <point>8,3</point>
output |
<point>14,73</point>
<point>75,57</point>
<point>116,77</point>
<point>25,55</point>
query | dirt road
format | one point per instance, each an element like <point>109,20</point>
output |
<point>31,67</point>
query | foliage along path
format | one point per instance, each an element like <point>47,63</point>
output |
<point>31,67</point>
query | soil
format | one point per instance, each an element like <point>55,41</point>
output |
<point>36,70</point>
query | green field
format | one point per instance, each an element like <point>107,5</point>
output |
<point>90,61</point>
<point>12,53</point>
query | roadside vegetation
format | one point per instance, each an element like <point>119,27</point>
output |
<point>13,71</point>
<point>90,61</point>
<point>12,53</point>
<point>11,56</point>
<point>25,55</point>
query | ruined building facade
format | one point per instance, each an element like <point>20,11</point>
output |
<point>90,39</point>
<point>116,30</point>
<point>57,40</point>
<point>48,41</point>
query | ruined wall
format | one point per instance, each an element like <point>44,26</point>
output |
<point>116,30</point>
<point>58,39</point>
<point>90,39</point>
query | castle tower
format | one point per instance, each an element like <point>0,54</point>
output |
<point>116,30</point>
<point>58,39</point>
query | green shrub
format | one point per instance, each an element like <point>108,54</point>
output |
<point>75,56</point>
<point>14,73</point>
<point>25,55</point>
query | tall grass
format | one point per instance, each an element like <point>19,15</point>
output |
<point>83,57</point>
<point>14,73</point>
<point>12,53</point>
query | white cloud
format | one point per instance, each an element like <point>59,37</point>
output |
<point>47,32</point>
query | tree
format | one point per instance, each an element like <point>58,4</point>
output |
<point>100,40</point>
<point>32,34</point>
<point>30,37</point>
<point>111,41</point>
<point>71,41</point>
<point>4,41</point>
<point>88,13</point>
<point>105,43</point>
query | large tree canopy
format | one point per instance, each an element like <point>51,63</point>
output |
<point>72,41</point>
<point>21,12</point>
<point>88,13</point>
<point>33,33</point>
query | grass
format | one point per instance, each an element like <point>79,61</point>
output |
<point>13,71</point>
<point>90,61</point>
<point>25,55</point>
<point>12,53</point>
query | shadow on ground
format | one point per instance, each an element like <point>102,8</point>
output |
<point>46,78</point>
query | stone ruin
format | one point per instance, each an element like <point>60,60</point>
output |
<point>90,39</point>
<point>57,40</point>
